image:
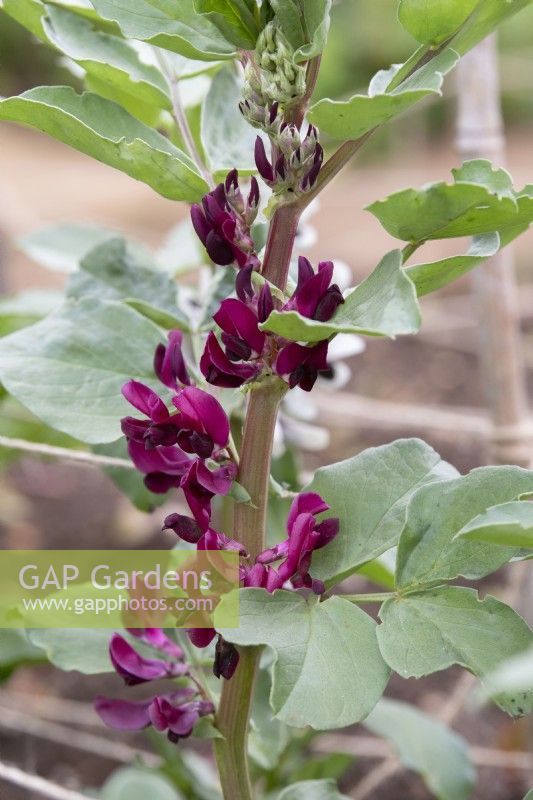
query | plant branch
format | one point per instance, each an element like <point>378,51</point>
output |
<point>377,597</point>
<point>65,453</point>
<point>180,117</point>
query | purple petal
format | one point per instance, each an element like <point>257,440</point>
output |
<point>169,364</point>
<point>326,531</point>
<point>184,527</point>
<point>123,715</point>
<point>158,639</point>
<point>134,669</point>
<point>201,637</point>
<point>145,400</point>
<point>168,460</point>
<point>219,370</point>
<point>243,284</point>
<point>262,163</point>
<point>199,222</point>
<point>328,304</point>
<point>265,303</point>
<point>236,318</point>
<point>206,411</point>
<point>219,250</point>
<point>290,357</point>
<point>305,503</point>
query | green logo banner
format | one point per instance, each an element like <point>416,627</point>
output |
<point>117,588</point>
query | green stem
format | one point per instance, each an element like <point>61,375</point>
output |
<point>376,597</point>
<point>409,250</point>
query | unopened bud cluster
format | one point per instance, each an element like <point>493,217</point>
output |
<point>296,163</point>
<point>271,77</point>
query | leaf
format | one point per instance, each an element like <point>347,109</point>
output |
<point>429,631</point>
<point>129,481</point>
<point>351,119</point>
<point>108,59</point>
<point>16,650</point>
<point>235,19</point>
<point>369,493</point>
<point>328,672</point>
<point>312,790</point>
<point>433,21</point>
<point>486,17</point>
<point>105,131</point>
<point>172,26</point>
<point>512,675</point>
<point>529,795</point>
<point>305,23</point>
<point>331,766</point>
<point>508,524</point>
<point>427,746</point>
<point>384,304</point>
<point>85,650</point>
<point>62,247</point>
<point>69,368</point>
<point>28,13</point>
<point>435,274</point>
<point>26,308</point>
<point>428,552</point>
<point>227,139</point>
<point>111,271</point>
<point>137,783</point>
<point>268,736</point>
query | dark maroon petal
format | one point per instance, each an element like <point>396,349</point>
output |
<point>201,637</point>
<point>253,195</point>
<point>123,715</point>
<point>328,304</point>
<point>169,364</point>
<point>160,483</point>
<point>134,428</point>
<point>306,299</point>
<point>289,358</point>
<point>317,356</point>
<point>226,659</point>
<point>219,250</point>
<point>280,167</point>
<point>184,527</point>
<point>243,284</point>
<point>219,370</point>
<point>232,180</point>
<point>265,303</point>
<point>304,376</point>
<point>325,532</point>
<point>206,411</point>
<point>145,400</point>
<point>262,163</point>
<point>273,112</point>
<point>164,459</point>
<point>199,222</point>
<point>305,271</point>
<point>238,319</point>
<point>305,503</point>
<point>236,349</point>
<point>135,669</point>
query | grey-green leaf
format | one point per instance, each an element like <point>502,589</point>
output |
<point>486,17</point>
<point>434,275</point>
<point>69,368</point>
<point>508,524</point>
<point>105,131</point>
<point>433,21</point>
<point>172,26</point>
<point>369,493</point>
<point>112,271</point>
<point>384,304</point>
<point>328,672</point>
<point>135,783</point>
<point>62,247</point>
<point>426,746</point>
<point>85,650</point>
<point>312,790</point>
<point>109,59</point>
<point>227,139</point>
<point>429,631</point>
<point>305,23</point>
<point>237,20</point>
<point>351,119</point>
<point>428,551</point>
<point>482,200</point>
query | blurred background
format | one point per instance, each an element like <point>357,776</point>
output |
<point>429,385</point>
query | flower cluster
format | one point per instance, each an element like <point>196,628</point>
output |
<point>297,161</point>
<point>223,222</point>
<point>185,449</point>
<point>247,352</point>
<point>176,712</point>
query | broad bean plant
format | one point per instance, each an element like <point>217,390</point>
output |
<point>205,370</point>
